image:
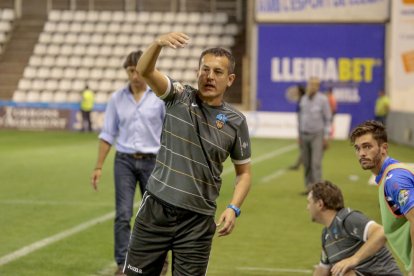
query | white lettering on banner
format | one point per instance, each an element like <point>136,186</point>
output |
<point>330,69</point>
<point>284,6</point>
<point>347,94</point>
<point>31,118</point>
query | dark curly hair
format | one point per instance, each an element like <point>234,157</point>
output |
<point>329,193</point>
<point>377,130</point>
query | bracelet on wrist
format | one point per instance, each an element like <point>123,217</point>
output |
<point>97,169</point>
<point>235,209</point>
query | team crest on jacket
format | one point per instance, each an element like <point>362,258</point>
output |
<point>178,87</point>
<point>403,197</point>
<point>221,120</point>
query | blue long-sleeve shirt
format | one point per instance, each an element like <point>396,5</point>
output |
<point>135,126</point>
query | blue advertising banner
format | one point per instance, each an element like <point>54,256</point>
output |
<point>349,58</point>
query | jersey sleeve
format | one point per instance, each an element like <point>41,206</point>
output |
<point>175,91</point>
<point>399,185</point>
<point>241,151</point>
<point>356,224</point>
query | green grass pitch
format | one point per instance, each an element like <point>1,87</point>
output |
<point>46,202</point>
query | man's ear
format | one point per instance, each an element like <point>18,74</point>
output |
<point>320,203</point>
<point>231,79</point>
<point>384,148</point>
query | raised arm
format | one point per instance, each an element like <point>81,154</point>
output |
<point>146,64</point>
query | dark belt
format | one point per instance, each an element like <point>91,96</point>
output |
<point>138,155</point>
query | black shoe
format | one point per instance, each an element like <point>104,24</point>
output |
<point>293,167</point>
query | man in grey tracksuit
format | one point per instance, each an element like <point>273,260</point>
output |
<point>314,126</point>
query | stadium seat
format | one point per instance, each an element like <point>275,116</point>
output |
<point>53,50</point>
<point>24,84</point>
<point>105,86</point>
<point>66,50</point>
<point>54,15</point>
<point>8,15</point>
<point>65,85</point>
<point>40,49</point>
<point>105,16</point>
<point>75,27</point>
<point>35,61</point>
<point>118,16</point>
<point>29,72</point>
<point>87,27</point>
<point>60,97</point>
<point>48,61</point>
<point>79,16</point>
<point>19,96</point>
<point>69,73</point>
<point>56,73</point>
<point>79,50</point>
<point>79,85</point>
<point>101,28</point>
<point>194,18</point>
<point>101,97</point>
<point>49,27</point>
<point>82,74</point>
<point>92,16</point>
<point>143,17</point>
<point>43,73</point>
<point>67,16</point>
<point>33,96</point>
<point>62,27</point>
<point>130,17</point>
<point>5,26</point>
<point>46,96</point>
<point>73,97</point>
<point>61,61</point>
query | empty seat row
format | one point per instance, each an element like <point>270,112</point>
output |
<point>55,97</point>
<point>199,40</point>
<point>89,47</point>
<point>69,85</point>
<point>134,17</point>
<point>138,28</point>
<point>72,73</point>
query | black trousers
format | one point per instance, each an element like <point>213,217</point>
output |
<point>160,227</point>
<point>86,121</point>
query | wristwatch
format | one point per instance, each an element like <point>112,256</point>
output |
<point>235,209</point>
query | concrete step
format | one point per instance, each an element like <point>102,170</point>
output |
<point>12,66</point>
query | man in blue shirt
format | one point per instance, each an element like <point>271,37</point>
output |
<point>396,187</point>
<point>133,121</point>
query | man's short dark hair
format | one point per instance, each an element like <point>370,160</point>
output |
<point>132,59</point>
<point>329,193</point>
<point>377,129</point>
<point>220,52</point>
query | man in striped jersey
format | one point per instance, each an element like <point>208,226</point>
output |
<point>200,131</point>
<point>352,244</point>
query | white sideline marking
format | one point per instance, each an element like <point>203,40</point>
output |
<point>42,243</point>
<point>45,242</point>
<point>264,157</point>
<point>45,202</point>
<point>274,175</point>
<point>269,269</point>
